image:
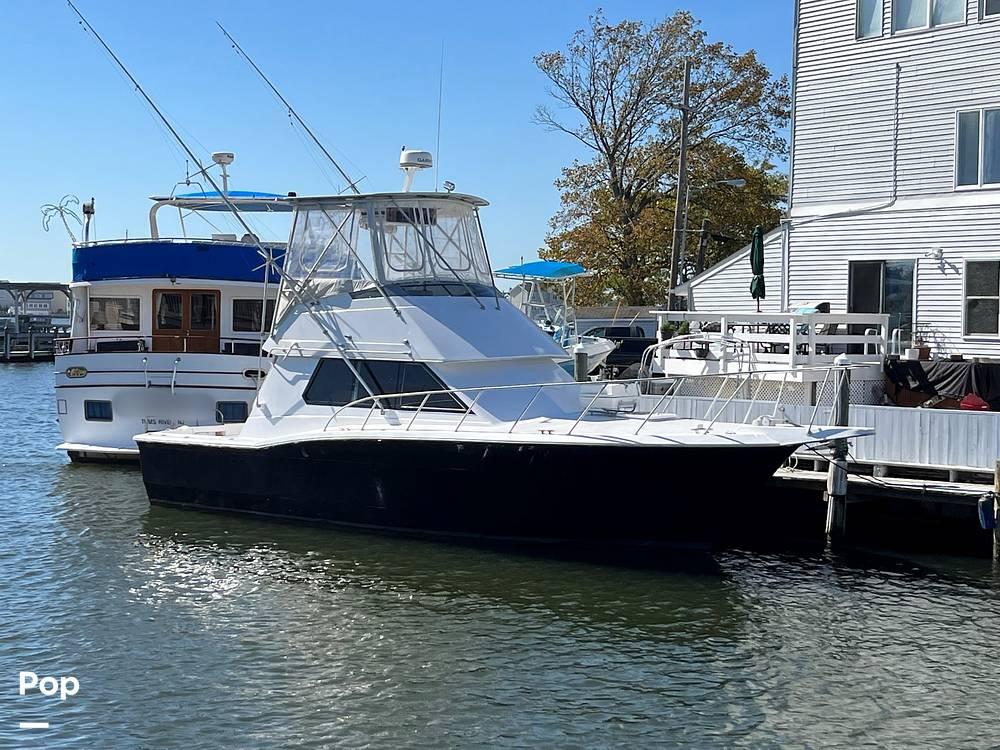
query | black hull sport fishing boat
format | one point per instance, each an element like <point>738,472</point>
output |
<point>405,395</point>
<point>495,489</point>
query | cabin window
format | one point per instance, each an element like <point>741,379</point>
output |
<point>990,8</point>
<point>227,412</point>
<point>246,315</point>
<point>114,314</point>
<point>982,297</point>
<point>97,411</point>
<point>204,311</point>
<point>169,311</point>
<point>978,148</point>
<point>922,14</point>
<point>869,18</point>
<point>333,384</point>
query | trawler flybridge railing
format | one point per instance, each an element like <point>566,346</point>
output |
<point>601,400</point>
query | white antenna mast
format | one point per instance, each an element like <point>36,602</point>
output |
<point>352,184</point>
<point>412,161</point>
<point>224,159</point>
<point>437,145</point>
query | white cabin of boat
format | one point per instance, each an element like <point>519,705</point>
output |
<point>165,331</point>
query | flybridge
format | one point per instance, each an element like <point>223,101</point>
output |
<point>432,243</point>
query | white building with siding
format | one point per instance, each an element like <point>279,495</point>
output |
<point>895,173</point>
<point>725,287</point>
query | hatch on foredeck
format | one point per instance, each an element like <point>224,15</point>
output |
<point>400,243</point>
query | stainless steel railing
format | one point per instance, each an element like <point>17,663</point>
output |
<point>620,389</point>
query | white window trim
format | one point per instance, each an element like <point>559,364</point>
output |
<point>980,185</point>
<point>881,21</point>
<point>928,26</point>
<point>984,16</point>
<point>965,278</point>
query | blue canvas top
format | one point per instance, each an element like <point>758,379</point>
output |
<point>244,200</point>
<point>544,269</point>
<point>231,194</point>
<point>165,259</point>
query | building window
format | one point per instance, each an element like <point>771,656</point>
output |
<point>97,411</point>
<point>989,8</point>
<point>869,21</point>
<point>923,14</point>
<point>885,287</point>
<point>982,297</point>
<point>246,315</point>
<point>333,384</point>
<point>114,314</point>
<point>227,412</point>
<point>978,148</point>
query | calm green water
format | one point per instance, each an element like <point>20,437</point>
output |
<point>187,631</point>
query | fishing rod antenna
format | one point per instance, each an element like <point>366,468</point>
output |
<point>352,184</point>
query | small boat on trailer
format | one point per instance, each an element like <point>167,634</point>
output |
<point>407,396</point>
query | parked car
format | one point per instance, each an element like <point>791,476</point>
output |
<point>631,340</point>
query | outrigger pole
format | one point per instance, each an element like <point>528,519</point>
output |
<point>265,253</point>
<point>352,184</point>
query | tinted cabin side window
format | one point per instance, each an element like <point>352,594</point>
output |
<point>333,384</point>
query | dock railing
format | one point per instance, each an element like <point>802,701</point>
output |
<point>721,343</point>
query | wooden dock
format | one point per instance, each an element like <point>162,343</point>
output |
<point>33,346</point>
<point>904,510</point>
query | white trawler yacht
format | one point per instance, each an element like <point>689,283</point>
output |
<point>406,395</point>
<point>165,331</point>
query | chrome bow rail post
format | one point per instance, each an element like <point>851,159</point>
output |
<point>753,399</point>
<point>468,411</point>
<point>525,409</point>
<point>671,392</point>
<point>819,399</point>
<point>589,407</point>
<point>728,401</point>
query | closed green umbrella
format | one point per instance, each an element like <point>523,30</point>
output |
<point>757,290</point>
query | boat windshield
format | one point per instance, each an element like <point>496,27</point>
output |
<point>401,242</point>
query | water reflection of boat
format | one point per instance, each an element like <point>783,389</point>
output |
<point>682,598</point>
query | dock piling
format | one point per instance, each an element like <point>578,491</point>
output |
<point>580,362</point>
<point>996,512</point>
<point>836,481</point>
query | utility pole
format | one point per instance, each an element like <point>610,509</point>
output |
<point>681,189</point>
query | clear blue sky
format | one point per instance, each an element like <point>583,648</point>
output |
<point>71,124</point>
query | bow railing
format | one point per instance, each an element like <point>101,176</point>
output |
<point>637,400</point>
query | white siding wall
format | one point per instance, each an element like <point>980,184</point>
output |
<point>726,287</point>
<point>845,102</point>
<point>843,207</point>
<point>821,251</point>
